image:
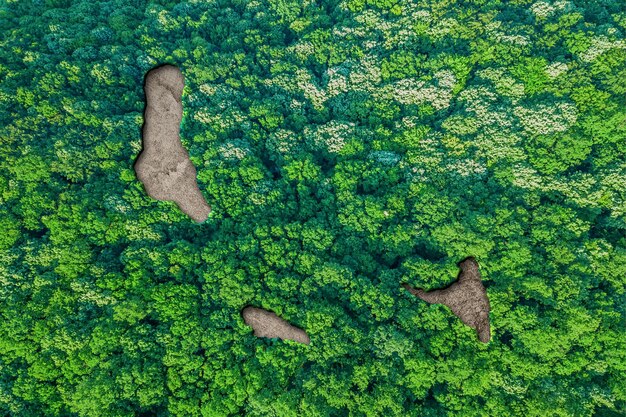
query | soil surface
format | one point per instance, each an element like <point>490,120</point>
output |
<point>267,324</point>
<point>163,166</point>
<point>466,298</point>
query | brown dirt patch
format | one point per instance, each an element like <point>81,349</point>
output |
<point>267,324</point>
<point>163,166</point>
<point>466,298</point>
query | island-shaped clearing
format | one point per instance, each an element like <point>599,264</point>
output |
<point>267,324</point>
<point>466,298</point>
<point>164,166</point>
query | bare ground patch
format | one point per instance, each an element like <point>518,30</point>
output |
<point>268,324</point>
<point>466,298</point>
<point>164,166</point>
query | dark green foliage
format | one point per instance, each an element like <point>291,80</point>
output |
<point>346,148</point>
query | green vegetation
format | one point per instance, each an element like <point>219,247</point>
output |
<point>345,148</point>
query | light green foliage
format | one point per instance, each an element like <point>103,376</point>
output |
<point>345,147</point>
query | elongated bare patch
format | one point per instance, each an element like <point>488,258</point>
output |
<point>164,166</point>
<point>267,324</point>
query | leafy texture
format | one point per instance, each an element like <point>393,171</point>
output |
<point>345,147</point>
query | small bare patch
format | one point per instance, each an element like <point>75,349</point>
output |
<point>466,298</point>
<point>267,324</point>
<point>163,166</point>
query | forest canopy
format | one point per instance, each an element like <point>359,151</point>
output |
<point>345,148</point>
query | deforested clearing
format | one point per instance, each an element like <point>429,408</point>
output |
<point>466,298</point>
<point>268,324</point>
<point>164,166</point>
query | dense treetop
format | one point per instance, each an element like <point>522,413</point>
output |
<point>345,147</point>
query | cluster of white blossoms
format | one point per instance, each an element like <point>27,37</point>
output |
<point>407,122</point>
<point>411,91</point>
<point>488,110</point>
<point>193,99</point>
<point>9,277</point>
<point>399,37</point>
<point>283,142</point>
<point>588,190</point>
<point>102,73</point>
<point>478,99</point>
<point>353,31</point>
<point>432,158</point>
<point>499,144</point>
<point>415,173</point>
<point>467,167</point>
<point>399,31</point>
<point>519,40</point>
<point>224,93</point>
<point>336,80</point>
<point>139,231</point>
<point>208,89</point>
<point>581,188</point>
<point>544,9</point>
<point>415,13</point>
<point>365,74</point>
<point>235,149</point>
<point>351,75</point>
<point>167,22</point>
<point>490,119</point>
<point>296,105</point>
<point>616,182</point>
<point>262,192</point>
<point>546,119</point>
<point>556,68</point>
<point>541,119</point>
<point>493,29</point>
<point>302,50</point>
<point>524,176</point>
<point>222,112</point>
<point>253,5</point>
<point>443,27</point>
<point>600,45</point>
<point>221,119</point>
<point>116,203</point>
<point>445,79</point>
<point>331,136</point>
<point>370,45</point>
<point>404,91</point>
<point>374,20</point>
<point>312,92</point>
